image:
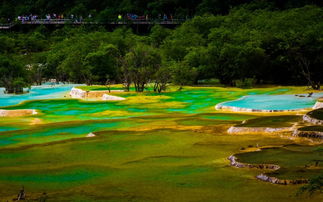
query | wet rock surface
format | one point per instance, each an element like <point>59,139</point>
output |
<point>318,105</point>
<point>275,180</point>
<point>243,130</point>
<point>308,134</point>
<point>312,120</point>
<point>102,95</point>
<point>233,162</point>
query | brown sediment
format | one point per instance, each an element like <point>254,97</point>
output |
<point>17,112</point>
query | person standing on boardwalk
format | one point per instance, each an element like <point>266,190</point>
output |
<point>165,17</point>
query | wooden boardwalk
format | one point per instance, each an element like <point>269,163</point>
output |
<point>86,22</point>
<point>6,26</point>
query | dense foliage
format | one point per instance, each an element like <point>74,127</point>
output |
<point>246,47</point>
<point>110,8</point>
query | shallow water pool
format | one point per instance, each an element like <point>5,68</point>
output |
<point>36,93</point>
<point>273,102</point>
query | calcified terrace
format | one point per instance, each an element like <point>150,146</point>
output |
<point>149,147</point>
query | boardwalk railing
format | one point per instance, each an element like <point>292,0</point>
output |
<point>114,22</point>
<point>87,22</point>
<point>7,26</point>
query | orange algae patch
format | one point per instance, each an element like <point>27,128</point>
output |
<point>35,121</point>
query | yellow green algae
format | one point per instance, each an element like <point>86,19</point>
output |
<point>151,147</point>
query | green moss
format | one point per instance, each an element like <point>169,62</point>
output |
<point>317,114</point>
<point>312,128</point>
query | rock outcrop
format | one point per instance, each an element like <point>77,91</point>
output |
<point>318,105</point>
<point>102,95</point>
<point>112,98</point>
<point>78,93</point>
<point>17,112</point>
<point>235,163</point>
<point>275,180</point>
<point>90,135</point>
<point>312,120</point>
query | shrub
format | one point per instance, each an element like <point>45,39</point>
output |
<point>315,185</point>
<point>244,83</point>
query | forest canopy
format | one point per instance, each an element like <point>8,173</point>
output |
<point>247,46</point>
<point>111,8</point>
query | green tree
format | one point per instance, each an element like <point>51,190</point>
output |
<point>103,62</point>
<point>162,77</point>
<point>141,63</point>
<point>158,34</point>
<point>13,75</point>
<point>183,74</point>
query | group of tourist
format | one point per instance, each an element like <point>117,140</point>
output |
<point>75,18</point>
<point>131,16</point>
<point>30,17</point>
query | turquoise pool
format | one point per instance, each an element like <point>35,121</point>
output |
<point>36,93</point>
<point>273,102</point>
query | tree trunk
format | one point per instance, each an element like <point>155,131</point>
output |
<point>156,86</point>
<point>9,90</point>
<point>316,85</point>
<point>19,89</point>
